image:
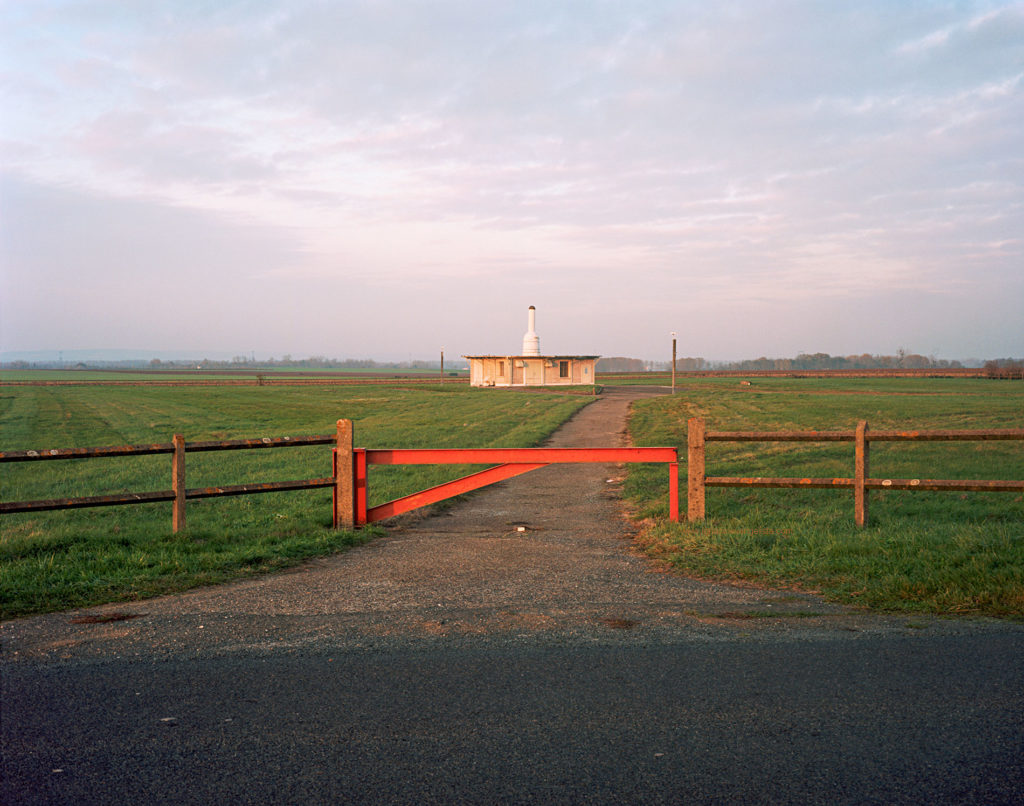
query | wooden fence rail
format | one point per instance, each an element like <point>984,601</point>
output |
<point>697,482</point>
<point>179,493</point>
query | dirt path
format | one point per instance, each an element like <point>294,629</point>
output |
<point>466,572</point>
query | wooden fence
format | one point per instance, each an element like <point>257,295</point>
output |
<point>178,493</point>
<point>348,480</point>
<point>698,436</point>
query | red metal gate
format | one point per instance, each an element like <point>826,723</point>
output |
<point>509,462</point>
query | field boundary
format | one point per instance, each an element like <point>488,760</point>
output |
<point>178,494</point>
<point>950,372</point>
<point>349,474</point>
<point>697,482</point>
<point>349,479</point>
<point>396,381</point>
<point>272,378</point>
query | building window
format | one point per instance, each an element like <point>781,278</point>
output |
<point>501,369</point>
<point>563,369</point>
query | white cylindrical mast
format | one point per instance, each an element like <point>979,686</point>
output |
<point>531,341</point>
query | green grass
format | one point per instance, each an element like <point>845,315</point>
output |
<point>74,558</point>
<point>922,551</point>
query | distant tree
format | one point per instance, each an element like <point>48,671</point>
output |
<point>915,361</point>
<point>620,364</point>
<point>1005,368</point>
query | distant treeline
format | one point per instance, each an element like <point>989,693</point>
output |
<point>236,363</point>
<point>807,361</point>
<point>1005,367</point>
<point>902,360</point>
<point>624,365</point>
<point>287,362</point>
<point>615,364</point>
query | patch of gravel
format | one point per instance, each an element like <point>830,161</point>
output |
<point>544,557</point>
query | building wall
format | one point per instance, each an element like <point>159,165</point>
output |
<point>583,371</point>
<point>489,372</point>
<point>530,371</point>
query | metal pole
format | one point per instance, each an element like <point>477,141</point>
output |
<point>673,362</point>
<point>442,365</point>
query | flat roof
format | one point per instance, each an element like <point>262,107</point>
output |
<point>524,357</point>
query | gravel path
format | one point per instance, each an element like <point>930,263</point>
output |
<point>467,573</point>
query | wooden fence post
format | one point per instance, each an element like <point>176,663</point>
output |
<point>695,469</point>
<point>344,481</point>
<point>860,474</point>
<point>178,484</point>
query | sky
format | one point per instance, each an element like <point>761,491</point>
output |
<point>389,179</point>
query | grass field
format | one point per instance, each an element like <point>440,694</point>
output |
<point>56,560</point>
<point>933,552</point>
<point>926,551</point>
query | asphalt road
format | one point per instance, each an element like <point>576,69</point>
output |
<point>871,719</point>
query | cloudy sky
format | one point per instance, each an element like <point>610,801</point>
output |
<point>384,179</point>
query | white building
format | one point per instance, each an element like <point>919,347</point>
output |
<point>530,368</point>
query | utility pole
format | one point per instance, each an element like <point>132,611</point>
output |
<point>442,365</point>
<point>673,362</point>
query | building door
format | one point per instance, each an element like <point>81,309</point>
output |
<point>533,372</point>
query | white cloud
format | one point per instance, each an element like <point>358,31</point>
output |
<point>935,39</point>
<point>792,152</point>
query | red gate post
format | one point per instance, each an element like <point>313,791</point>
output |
<point>695,469</point>
<point>344,478</point>
<point>860,474</point>
<point>178,484</point>
<point>361,490</point>
<point>673,492</point>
